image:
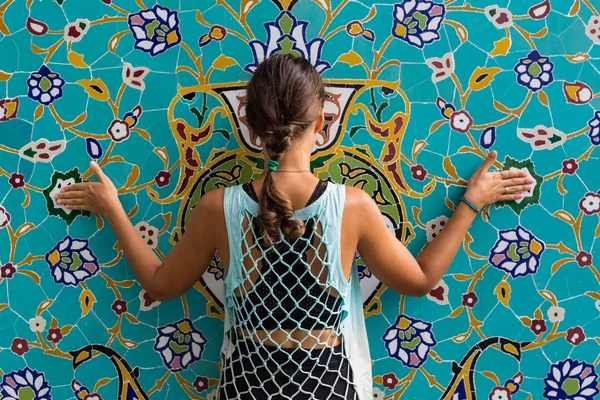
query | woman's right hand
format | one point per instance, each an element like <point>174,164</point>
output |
<point>487,187</point>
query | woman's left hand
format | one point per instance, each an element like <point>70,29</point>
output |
<point>487,187</point>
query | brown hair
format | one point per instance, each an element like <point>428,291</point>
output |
<point>285,96</point>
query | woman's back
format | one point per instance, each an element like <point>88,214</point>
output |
<point>291,301</point>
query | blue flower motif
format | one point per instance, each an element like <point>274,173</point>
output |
<point>594,132</point>
<point>25,383</point>
<point>571,380</point>
<point>534,72</point>
<point>179,344</point>
<point>409,340</point>
<point>72,261</point>
<point>290,33</point>
<point>45,86</point>
<point>517,252</point>
<point>418,22</point>
<point>155,30</point>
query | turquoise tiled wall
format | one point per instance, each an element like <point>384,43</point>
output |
<point>419,92</point>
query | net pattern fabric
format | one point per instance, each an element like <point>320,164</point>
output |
<point>284,339</point>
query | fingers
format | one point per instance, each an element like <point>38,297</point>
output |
<point>74,187</point>
<point>489,161</point>
<point>518,181</point>
<point>98,171</point>
<point>510,197</point>
<point>517,189</point>
<point>71,202</point>
<point>70,194</point>
<point>512,173</point>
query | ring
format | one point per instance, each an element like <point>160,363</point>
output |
<point>506,191</point>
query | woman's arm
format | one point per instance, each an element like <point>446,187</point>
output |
<point>183,265</point>
<point>395,266</point>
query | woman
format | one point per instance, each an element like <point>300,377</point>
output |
<point>294,326</point>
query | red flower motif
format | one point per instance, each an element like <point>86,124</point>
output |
<point>201,383</point>
<point>570,166</point>
<point>163,178</point>
<point>538,326</point>
<point>119,307</point>
<point>469,299</point>
<point>584,259</point>
<point>17,181</point>
<point>575,335</point>
<point>390,381</point>
<point>418,172</point>
<point>19,346</point>
<point>7,271</point>
<point>119,130</point>
<point>54,335</point>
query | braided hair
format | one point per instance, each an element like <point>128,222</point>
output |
<point>284,97</point>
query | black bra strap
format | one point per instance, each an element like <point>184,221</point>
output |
<point>318,192</point>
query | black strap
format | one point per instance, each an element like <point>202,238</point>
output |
<point>318,192</point>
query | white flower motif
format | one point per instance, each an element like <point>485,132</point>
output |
<point>418,21</point>
<point>25,383</point>
<point>37,324</point>
<point>179,344</point>
<point>409,340</point>
<point>75,31</point>
<point>556,314</point>
<point>148,233</point>
<point>500,393</point>
<point>500,17</point>
<point>598,305</point>
<point>118,130</point>
<point>592,29</point>
<point>590,204</point>
<point>378,394</point>
<point>4,217</point>
<point>461,121</point>
<point>435,226</point>
<point>42,150</point>
<point>541,137</point>
<point>155,30</point>
<point>517,251</point>
<point>72,261</point>
<point>134,77</point>
<point>442,67</point>
<point>571,380</point>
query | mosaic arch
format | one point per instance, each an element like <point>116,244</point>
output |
<point>418,92</point>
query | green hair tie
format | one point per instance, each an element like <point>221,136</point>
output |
<point>272,165</point>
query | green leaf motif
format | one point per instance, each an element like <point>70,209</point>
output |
<point>58,181</point>
<point>527,201</point>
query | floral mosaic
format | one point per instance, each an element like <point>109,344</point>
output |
<point>418,91</point>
